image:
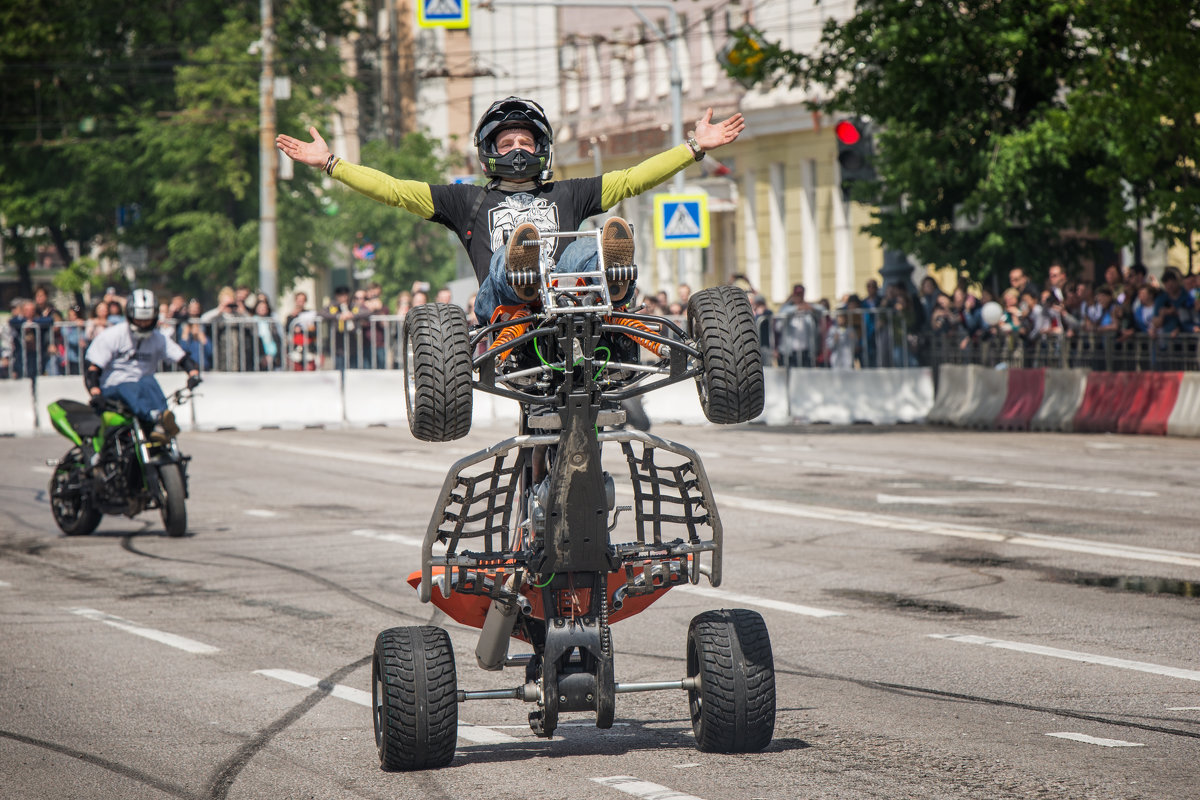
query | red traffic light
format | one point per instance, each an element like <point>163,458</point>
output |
<point>847,132</point>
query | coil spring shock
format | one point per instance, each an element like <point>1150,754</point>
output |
<point>653,347</point>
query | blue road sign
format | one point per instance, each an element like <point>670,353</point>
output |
<point>444,13</point>
<point>681,220</point>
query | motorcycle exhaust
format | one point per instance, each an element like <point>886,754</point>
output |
<point>492,649</point>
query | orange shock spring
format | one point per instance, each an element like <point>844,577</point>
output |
<point>653,347</point>
<point>507,334</point>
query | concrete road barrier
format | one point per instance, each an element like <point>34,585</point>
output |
<point>987,389</point>
<point>1026,388</point>
<point>1061,399</point>
<point>951,395</point>
<point>875,396</point>
<point>375,397</point>
<point>17,417</point>
<point>1107,396</point>
<point>1154,395</point>
<point>1185,415</point>
<point>253,400</point>
<point>777,404</point>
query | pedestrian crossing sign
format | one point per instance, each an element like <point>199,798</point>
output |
<point>681,220</point>
<point>443,13</point>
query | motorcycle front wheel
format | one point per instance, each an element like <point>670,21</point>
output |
<point>174,505</point>
<point>73,511</point>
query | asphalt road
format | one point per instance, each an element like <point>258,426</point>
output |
<point>952,614</point>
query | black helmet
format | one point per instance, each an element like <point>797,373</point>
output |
<point>141,305</point>
<point>513,112</point>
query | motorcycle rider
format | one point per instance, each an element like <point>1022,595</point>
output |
<point>121,362</point>
<point>514,143</point>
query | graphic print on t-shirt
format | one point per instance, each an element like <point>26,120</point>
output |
<point>518,208</point>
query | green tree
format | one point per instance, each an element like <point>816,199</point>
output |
<point>1022,115</point>
<point>138,105</point>
<point>407,248</point>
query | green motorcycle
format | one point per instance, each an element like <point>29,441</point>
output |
<point>115,467</point>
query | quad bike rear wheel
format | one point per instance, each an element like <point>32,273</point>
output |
<point>174,505</point>
<point>73,512</point>
<point>437,369</point>
<point>415,698</point>
<point>721,321</point>
<point>733,707</point>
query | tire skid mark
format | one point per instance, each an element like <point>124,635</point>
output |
<point>919,691</point>
<point>228,772</point>
<point>127,544</point>
<point>120,769</point>
<point>337,587</point>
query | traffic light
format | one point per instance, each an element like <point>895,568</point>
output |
<point>855,146</point>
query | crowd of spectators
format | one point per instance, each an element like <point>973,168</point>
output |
<point>896,325</point>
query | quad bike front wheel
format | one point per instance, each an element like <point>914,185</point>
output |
<point>721,321</point>
<point>437,370</point>
<point>73,511</point>
<point>733,705</point>
<point>414,693</point>
<point>174,505</point>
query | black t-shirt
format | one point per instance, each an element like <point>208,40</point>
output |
<point>554,207</point>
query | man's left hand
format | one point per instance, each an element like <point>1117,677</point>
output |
<point>710,135</point>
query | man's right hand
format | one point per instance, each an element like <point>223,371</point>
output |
<point>314,153</point>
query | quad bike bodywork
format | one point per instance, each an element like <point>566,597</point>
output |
<point>528,540</point>
<point>115,467</point>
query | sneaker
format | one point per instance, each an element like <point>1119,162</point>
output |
<point>170,428</point>
<point>616,239</point>
<point>616,242</point>
<point>521,257</point>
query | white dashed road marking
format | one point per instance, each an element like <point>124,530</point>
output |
<point>640,788</point>
<point>1083,737</point>
<point>761,602</point>
<point>1071,655</point>
<point>398,538</point>
<point>471,733</point>
<point>259,512</point>
<point>977,533</point>
<point>180,642</point>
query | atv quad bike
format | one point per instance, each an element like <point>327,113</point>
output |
<point>528,541</point>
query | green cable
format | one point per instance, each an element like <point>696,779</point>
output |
<point>542,358</point>
<point>547,583</point>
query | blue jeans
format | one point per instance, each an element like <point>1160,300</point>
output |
<point>578,256</point>
<point>143,396</point>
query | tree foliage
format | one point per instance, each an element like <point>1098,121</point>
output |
<point>137,124</point>
<point>1027,116</point>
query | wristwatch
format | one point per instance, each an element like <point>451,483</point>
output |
<point>694,146</point>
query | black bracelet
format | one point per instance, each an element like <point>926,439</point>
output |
<point>330,163</point>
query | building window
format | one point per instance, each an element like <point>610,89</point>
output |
<point>595,81</point>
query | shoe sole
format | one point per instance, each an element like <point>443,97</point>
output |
<point>616,240</point>
<point>522,257</point>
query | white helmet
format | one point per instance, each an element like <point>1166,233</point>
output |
<point>141,307</point>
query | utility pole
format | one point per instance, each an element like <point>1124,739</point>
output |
<point>268,247</point>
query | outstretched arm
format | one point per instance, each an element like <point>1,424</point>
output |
<point>314,153</point>
<point>709,135</point>
<point>412,196</point>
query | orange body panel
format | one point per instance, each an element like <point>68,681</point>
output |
<point>471,609</point>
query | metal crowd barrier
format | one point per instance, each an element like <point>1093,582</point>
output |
<point>226,344</point>
<point>880,338</point>
<point>1106,351</point>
